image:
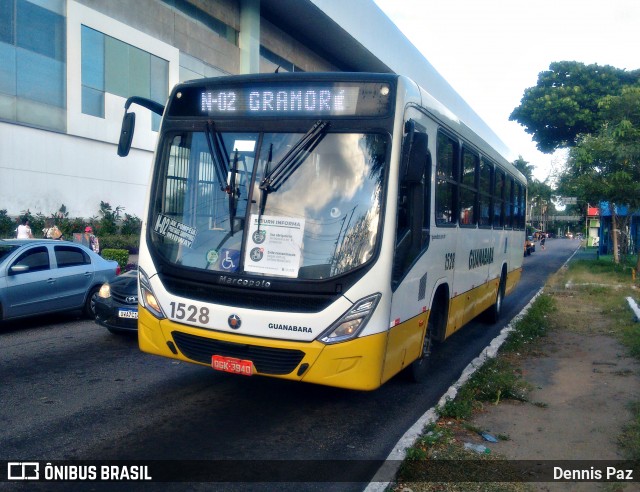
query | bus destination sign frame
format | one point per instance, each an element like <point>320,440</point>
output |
<point>336,99</point>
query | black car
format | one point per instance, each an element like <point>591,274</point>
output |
<point>117,304</point>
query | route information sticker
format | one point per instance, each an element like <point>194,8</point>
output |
<point>275,247</point>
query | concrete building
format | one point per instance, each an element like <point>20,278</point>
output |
<point>69,65</point>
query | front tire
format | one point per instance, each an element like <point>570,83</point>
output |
<point>419,369</point>
<point>90,303</point>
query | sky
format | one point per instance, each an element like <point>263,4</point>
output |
<point>490,51</point>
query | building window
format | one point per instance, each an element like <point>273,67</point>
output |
<point>110,65</point>
<point>216,25</point>
<point>33,68</point>
<point>192,68</point>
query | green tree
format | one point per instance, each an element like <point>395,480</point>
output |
<point>524,167</point>
<point>109,217</point>
<point>36,222</point>
<point>605,165</point>
<point>131,225</point>
<point>7,225</point>
<point>564,104</point>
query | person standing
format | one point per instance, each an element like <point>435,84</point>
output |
<point>24,230</point>
<point>93,240</point>
<point>542,240</point>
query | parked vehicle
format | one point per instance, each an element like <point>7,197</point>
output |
<point>117,304</point>
<point>40,276</point>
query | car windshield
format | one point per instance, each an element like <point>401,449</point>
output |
<point>292,205</point>
<point>6,249</point>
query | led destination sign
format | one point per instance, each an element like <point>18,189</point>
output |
<point>334,99</point>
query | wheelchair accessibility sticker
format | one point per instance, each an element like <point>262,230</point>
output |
<point>229,260</point>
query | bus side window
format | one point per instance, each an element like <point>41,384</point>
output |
<point>469,188</point>
<point>521,207</point>
<point>508,203</point>
<point>446,180</point>
<point>498,200</point>
<point>485,213</point>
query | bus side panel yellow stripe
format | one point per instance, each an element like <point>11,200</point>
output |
<point>465,307</point>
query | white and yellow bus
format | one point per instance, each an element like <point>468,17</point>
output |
<point>325,228</point>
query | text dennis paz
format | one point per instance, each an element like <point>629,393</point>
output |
<point>593,474</point>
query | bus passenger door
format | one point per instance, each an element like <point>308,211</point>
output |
<point>412,237</point>
<point>412,227</point>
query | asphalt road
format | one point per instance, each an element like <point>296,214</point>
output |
<point>70,390</point>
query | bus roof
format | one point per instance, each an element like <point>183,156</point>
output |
<point>486,141</point>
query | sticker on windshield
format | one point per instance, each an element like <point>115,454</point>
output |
<point>174,230</point>
<point>274,248</point>
<point>212,256</point>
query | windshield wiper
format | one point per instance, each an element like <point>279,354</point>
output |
<point>293,159</point>
<point>263,192</point>
<point>276,177</point>
<point>218,154</point>
<point>234,193</point>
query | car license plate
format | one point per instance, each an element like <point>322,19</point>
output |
<point>127,313</point>
<point>232,365</point>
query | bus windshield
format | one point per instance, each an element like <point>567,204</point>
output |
<point>288,208</point>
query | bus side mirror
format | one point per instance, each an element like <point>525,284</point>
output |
<point>417,158</point>
<point>126,133</point>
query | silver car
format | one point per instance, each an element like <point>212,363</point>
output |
<point>39,276</point>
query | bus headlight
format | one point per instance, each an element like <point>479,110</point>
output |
<point>148,298</point>
<point>352,322</point>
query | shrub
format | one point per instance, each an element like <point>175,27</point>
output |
<point>36,222</point>
<point>7,225</point>
<point>120,255</point>
<point>69,226</point>
<point>131,243</point>
<point>108,219</point>
<point>131,225</point>
<point>66,225</point>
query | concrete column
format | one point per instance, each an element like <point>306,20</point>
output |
<point>249,36</point>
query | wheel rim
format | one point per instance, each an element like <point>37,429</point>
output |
<point>92,304</point>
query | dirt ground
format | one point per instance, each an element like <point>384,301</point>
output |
<point>583,384</point>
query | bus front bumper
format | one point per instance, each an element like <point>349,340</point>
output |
<point>355,364</point>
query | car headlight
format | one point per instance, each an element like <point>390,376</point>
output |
<point>105,291</point>
<point>352,322</point>
<point>148,298</point>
